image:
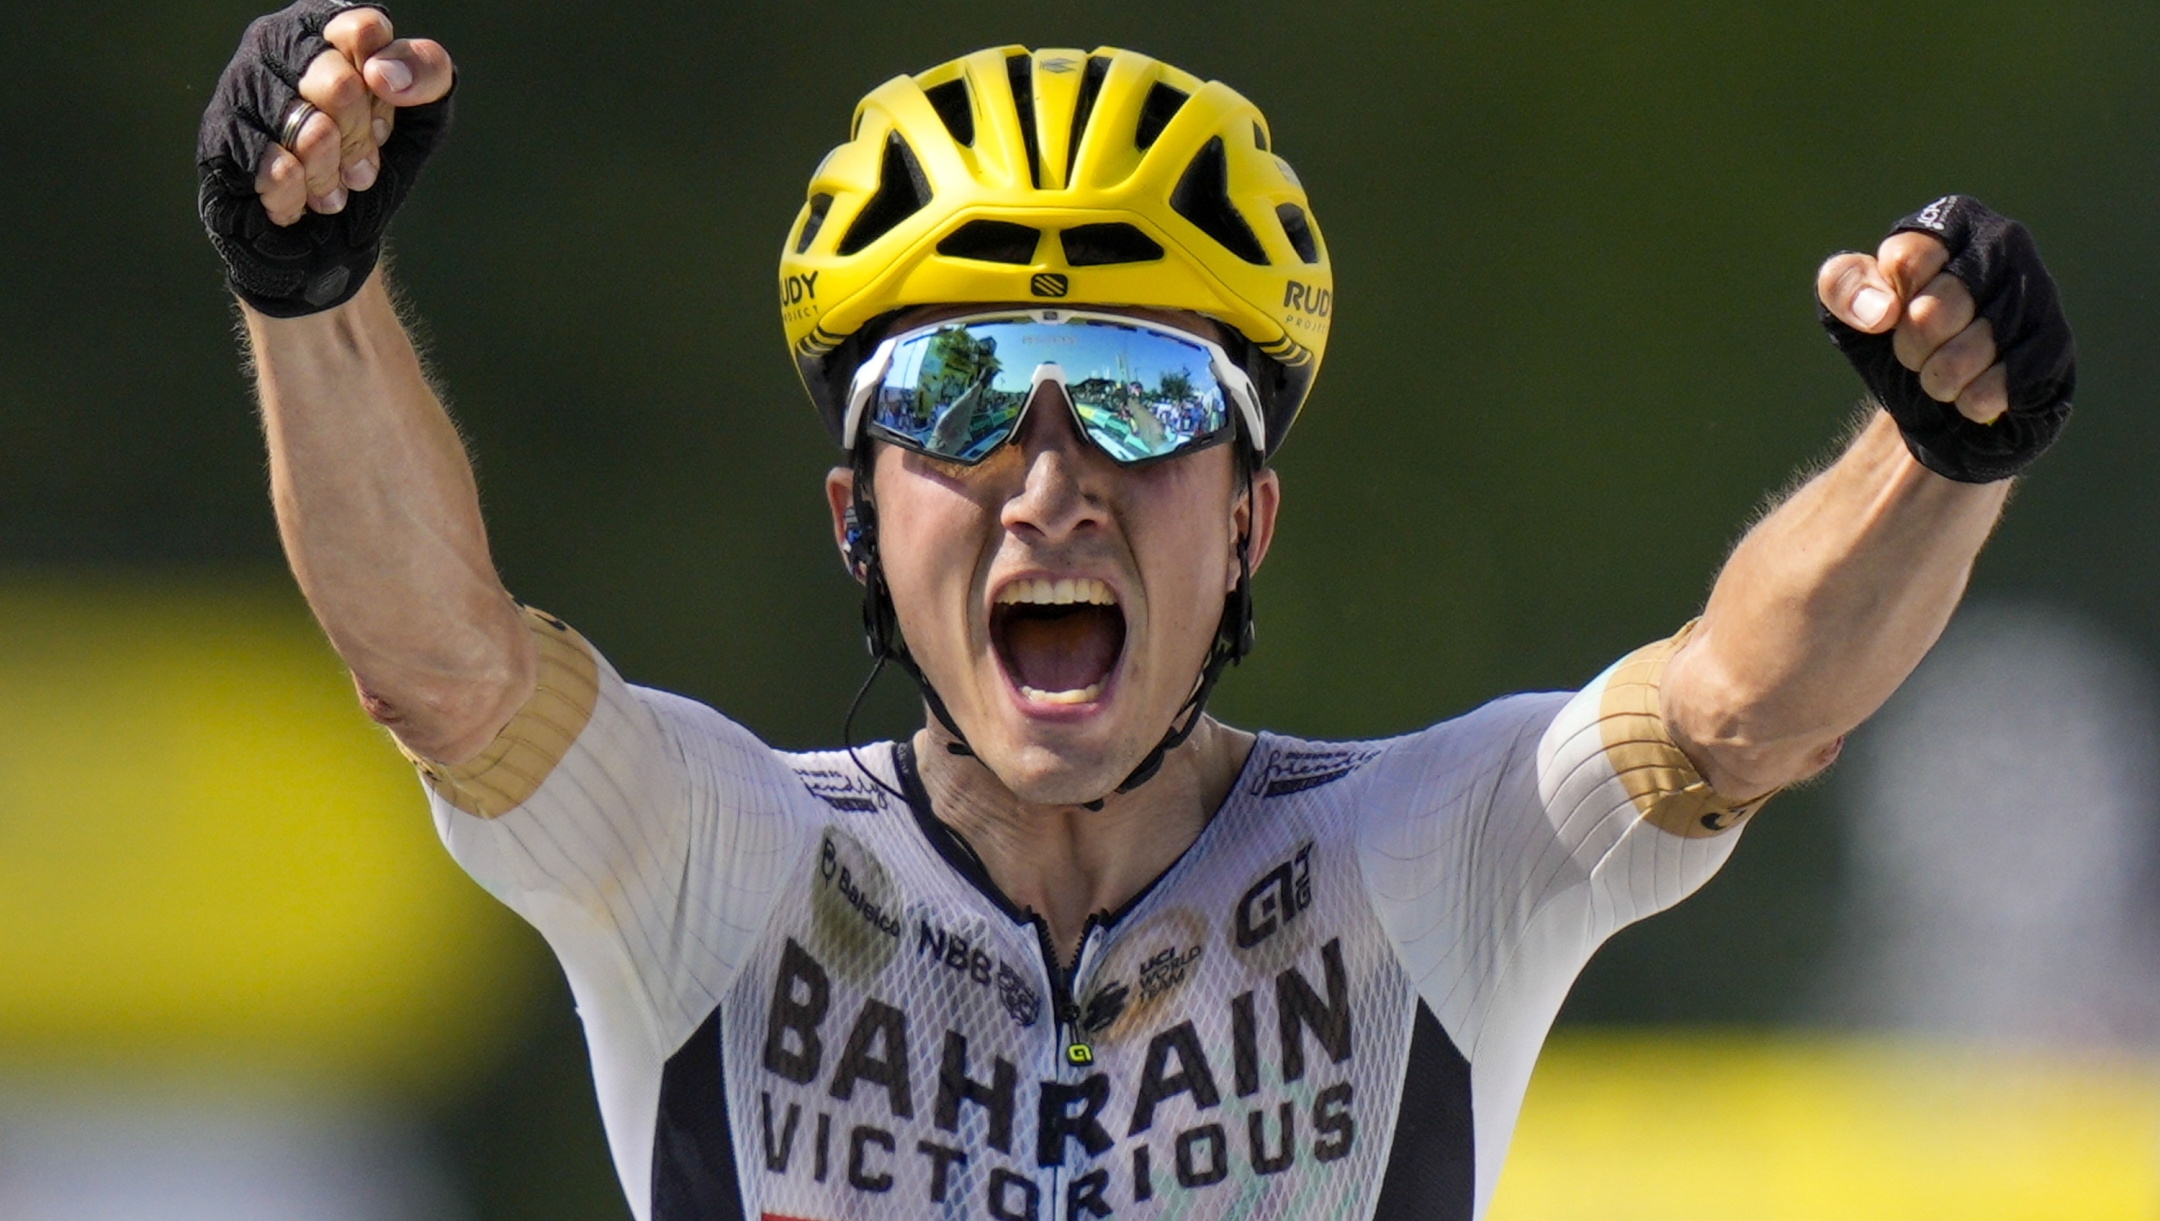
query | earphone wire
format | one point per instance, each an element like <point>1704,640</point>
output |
<point>847,730</point>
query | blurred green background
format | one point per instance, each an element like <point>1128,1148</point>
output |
<point>1574,352</point>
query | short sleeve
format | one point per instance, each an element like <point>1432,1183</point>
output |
<point>1502,848</point>
<point>644,835</point>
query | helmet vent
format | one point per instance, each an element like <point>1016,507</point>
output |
<point>1020,71</point>
<point>1259,136</point>
<point>819,205</point>
<point>1099,245</point>
<point>1161,106</point>
<point>1203,197</point>
<point>1299,231</point>
<point>950,100</point>
<point>1091,82</point>
<point>902,191</point>
<point>991,241</point>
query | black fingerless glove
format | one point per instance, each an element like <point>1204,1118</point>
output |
<point>318,261</point>
<point>1997,260</point>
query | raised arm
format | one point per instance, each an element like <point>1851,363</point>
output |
<point>1825,607</point>
<point>375,499</point>
<point>1833,598</point>
<point>379,516</point>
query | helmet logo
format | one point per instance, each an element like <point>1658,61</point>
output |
<point>1059,63</point>
<point>1049,284</point>
<point>1314,300</point>
<point>798,296</point>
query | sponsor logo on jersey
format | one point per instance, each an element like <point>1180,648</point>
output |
<point>1104,1007</point>
<point>871,1103</point>
<point>1150,964</point>
<point>1275,900</point>
<point>1294,771</point>
<point>869,901</point>
<point>1022,1002</point>
<point>954,951</point>
<point>1166,969</point>
<point>844,791</point>
<point>855,910</point>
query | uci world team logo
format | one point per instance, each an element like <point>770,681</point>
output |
<point>1049,284</point>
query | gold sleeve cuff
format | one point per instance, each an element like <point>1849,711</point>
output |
<point>513,766</point>
<point>1667,790</point>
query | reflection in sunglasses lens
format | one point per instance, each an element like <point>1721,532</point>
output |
<point>958,391</point>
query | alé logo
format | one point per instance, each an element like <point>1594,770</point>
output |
<point>1276,899</point>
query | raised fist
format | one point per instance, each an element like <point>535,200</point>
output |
<point>1957,328</point>
<point>316,133</point>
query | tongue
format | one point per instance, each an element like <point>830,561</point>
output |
<point>1066,651</point>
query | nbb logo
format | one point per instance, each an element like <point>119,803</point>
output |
<point>1308,298</point>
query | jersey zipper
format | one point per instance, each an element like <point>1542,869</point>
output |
<point>1074,1050</point>
<point>1075,1055</point>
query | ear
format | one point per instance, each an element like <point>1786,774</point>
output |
<point>840,497</point>
<point>1254,517</point>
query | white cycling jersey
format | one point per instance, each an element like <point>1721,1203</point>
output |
<point>805,1000</point>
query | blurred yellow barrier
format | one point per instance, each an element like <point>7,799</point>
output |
<point>209,858</point>
<point>1676,1125</point>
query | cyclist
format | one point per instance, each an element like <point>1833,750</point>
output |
<point>1075,948</point>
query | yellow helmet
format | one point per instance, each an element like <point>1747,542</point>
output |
<point>1058,176</point>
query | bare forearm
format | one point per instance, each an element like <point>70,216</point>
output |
<point>1824,608</point>
<point>380,519</point>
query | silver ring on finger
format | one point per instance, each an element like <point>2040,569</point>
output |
<point>296,117</point>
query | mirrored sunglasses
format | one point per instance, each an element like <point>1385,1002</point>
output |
<point>1138,391</point>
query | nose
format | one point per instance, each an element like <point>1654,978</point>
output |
<point>1060,489</point>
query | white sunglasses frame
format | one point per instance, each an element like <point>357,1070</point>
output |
<point>1234,381</point>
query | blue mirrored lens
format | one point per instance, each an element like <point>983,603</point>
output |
<point>958,391</point>
<point>950,393</point>
<point>1141,394</point>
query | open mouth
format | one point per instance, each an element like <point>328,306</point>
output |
<point>1059,640</point>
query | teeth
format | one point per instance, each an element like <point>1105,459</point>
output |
<point>1082,696</point>
<point>1062,592</point>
